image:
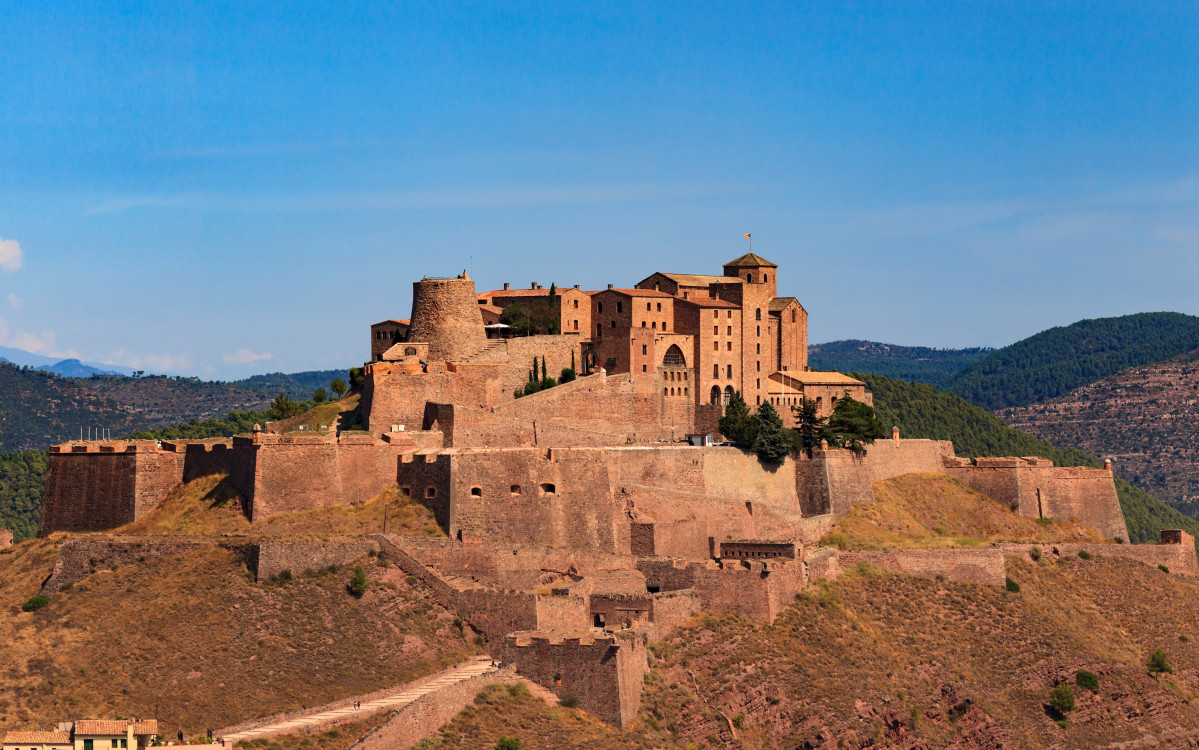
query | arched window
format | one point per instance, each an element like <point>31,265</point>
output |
<point>758,314</point>
<point>792,316</point>
<point>832,402</point>
<point>759,348</point>
<point>715,397</point>
<point>548,489</point>
<point>765,278</point>
<point>674,357</point>
<point>819,402</point>
<point>749,277</point>
<point>476,492</point>
<point>728,394</point>
<point>665,391</point>
<point>672,391</point>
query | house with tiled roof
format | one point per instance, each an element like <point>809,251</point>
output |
<point>87,734</point>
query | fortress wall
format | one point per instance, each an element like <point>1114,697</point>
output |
<point>271,558</point>
<point>1179,558</point>
<point>847,478</point>
<point>94,487</point>
<point>600,403</point>
<point>756,589</point>
<point>507,566</point>
<point>668,574</point>
<point>396,394</point>
<point>306,473</point>
<point>205,459</point>
<point>980,566</point>
<point>888,458</point>
<point>80,558</point>
<point>426,479</point>
<point>1090,496</point>
<point>605,673</point>
<point>719,473</point>
<point>526,497</point>
<point>670,609</point>
<point>1036,488</point>
<point>473,428</point>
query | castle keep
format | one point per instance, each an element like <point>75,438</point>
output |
<point>579,526</point>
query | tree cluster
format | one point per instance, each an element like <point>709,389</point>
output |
<point>534,317</point>
<point>762,432</point>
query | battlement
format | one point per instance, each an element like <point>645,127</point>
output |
<point>757,549</point>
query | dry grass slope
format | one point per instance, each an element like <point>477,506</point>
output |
<point>194,636</point>
<point>210,505</point>
<point>932,510</point>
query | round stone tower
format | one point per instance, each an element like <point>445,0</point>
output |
<point>445,315</point>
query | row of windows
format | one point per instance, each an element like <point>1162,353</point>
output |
<point>655,325</point>
<point>681,391</point>
<point>727,313</point>
<point>545,488</point>
<point>386,335</point>
<point>672,375</point>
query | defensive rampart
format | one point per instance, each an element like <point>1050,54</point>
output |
<point>1176,551</point>
<point>604,672</point>
<point>95,486</point>
<point>979,566</point>
<point>1035,487</point>
<point>270,558</point>
<point>80,558</point>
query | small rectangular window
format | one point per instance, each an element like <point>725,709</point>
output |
<point>619,307</point>
<point>728,313</point>
<point>715,313</point>
<point>659,307</point>
<point>715,346</point>
<point>730,370</point>
<point>643,350</point>
<point>715,330</point>
<point>716,371</point>
<point>643,368</point>
<point>647,306</point>
<point>730,333</point>
<point>730,345</point>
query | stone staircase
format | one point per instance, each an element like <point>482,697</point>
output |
<point>489,353</point>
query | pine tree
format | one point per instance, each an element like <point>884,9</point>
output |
<point>772,443</point>
<point>812,427</point>
<point>737,424</point>
<point>853,424</point>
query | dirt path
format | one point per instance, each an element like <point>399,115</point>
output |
<point>387,700</point>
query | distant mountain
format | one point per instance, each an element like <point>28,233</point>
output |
<point>922,411</point>
<point>68,367</point>
<point>915,363</point>
<point>1054,362</point>
<point>40,408</point>
<point>1146,419</point>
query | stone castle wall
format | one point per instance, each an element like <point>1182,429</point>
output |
<point>1176,551</point>
<point>80,558</point>
<point>270,558</point>
<point>979,566</point>
<point>96,486</point>
<point>5,538</point>
<point>604,672</point>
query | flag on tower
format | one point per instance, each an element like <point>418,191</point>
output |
<point>747,236</point>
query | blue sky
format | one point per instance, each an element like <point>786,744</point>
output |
<point>218,189</point>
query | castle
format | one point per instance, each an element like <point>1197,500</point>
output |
<point>579,525</point>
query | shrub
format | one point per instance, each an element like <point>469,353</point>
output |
<point>739,720</point>
<point>519,690</point>
<point>359,584</point>
<point>1183,638</point>
<point>1086,680</point>
<point>1163,568</point>
<point>411,580</point>
<point>1035,554</point>
<point>1062,698</point>
<point>569,701</point>
<point>1045,521</point>
<point>568,374</point>
<point>509,743</point>
<point>1011,585</point>
<point>1119,540</point>
<point>1158,663</point>
<point>35,602</point>
<point>1084,555</point>
<point>285,575</point>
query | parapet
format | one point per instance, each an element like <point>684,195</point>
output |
<point>1177,536</point>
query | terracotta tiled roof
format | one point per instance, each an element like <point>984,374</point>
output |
<point>146,726</point>
<point>697,279</point>
<point>515,293</point>
<point>815,378</point>
<point>709,302</point>
<point>99,727</point>
<point>638,293</point>
<point>405,321</point>
<point>780,303</point>
<point>37,738</point>
<point>750,260</point>
<point>492,309</point>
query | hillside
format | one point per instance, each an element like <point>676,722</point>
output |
<point>922,411</point>
<point>297,385</point>
<point>1055,362</point>
<point>878,660</point>
<point>1146,419</point>
<point>914,363</point>
<point>192,637</point>
<point>40,408</point>
<point>22,478</point>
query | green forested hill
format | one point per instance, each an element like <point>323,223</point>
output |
<point>922,411</point>
<point>22,476</point>
<point>919,363</point>
<point>1058,360</point>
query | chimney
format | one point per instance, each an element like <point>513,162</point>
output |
<point>533,285</point>
<point>609,286</point>
<point>576,286</point>
<point>505,286</point>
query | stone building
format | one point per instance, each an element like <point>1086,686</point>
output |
<point>87,734</point>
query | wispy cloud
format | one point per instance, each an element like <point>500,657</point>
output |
<point>415,200</point>
<point>244,356</point>
<point>16,302</point>
<point>11,255</point>
<point>37,343</point>
<point>162,363</point>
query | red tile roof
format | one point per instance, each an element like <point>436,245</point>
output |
<point>637,293</point>
<point>710,302</point>
<point>109,727</point>
<point>37,738</point>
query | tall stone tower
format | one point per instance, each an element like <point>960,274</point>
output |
<point>445,315</point>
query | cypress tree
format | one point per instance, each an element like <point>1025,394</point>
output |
<point>737,424</point>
